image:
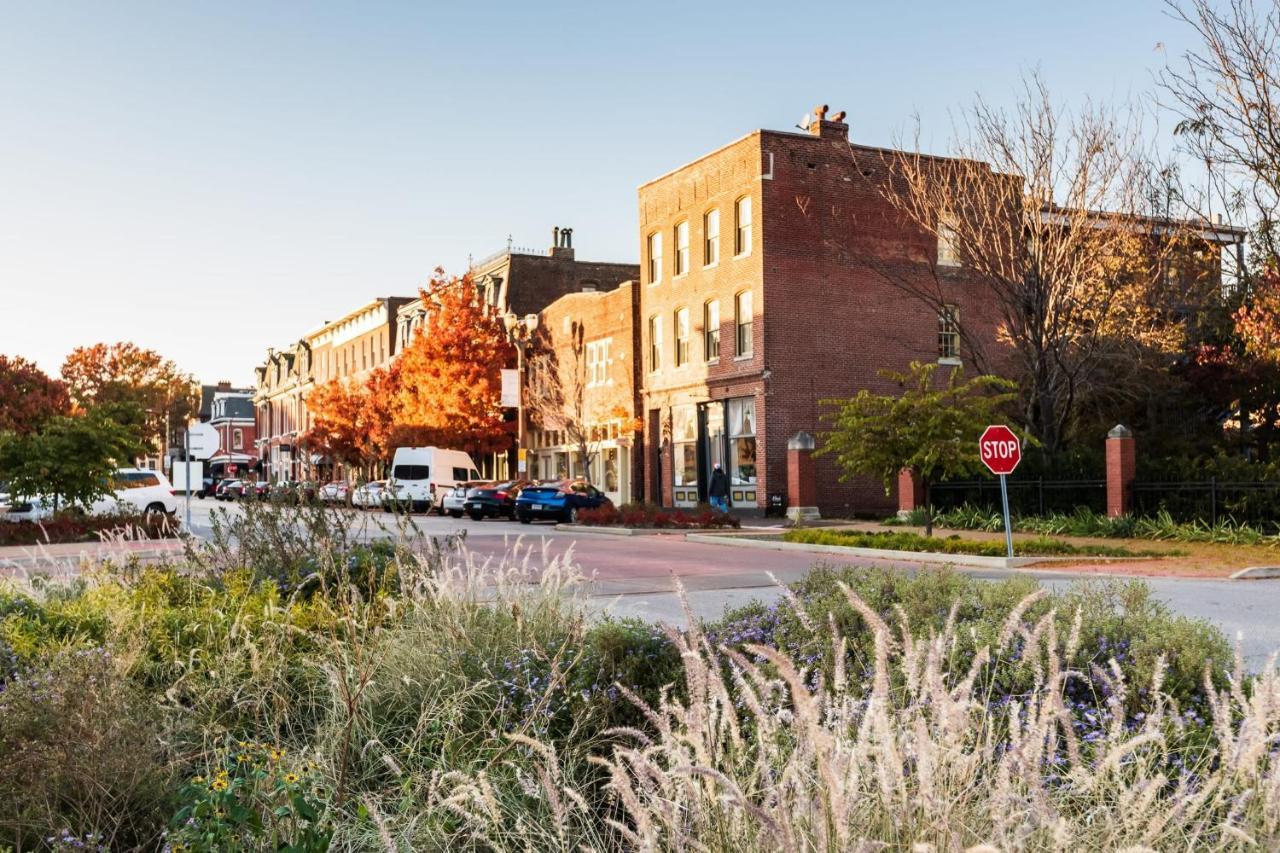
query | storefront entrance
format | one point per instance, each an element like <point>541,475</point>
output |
<point>717,432</point>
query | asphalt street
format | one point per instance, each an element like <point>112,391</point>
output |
<point>638,575</point>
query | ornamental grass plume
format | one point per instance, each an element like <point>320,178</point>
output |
<point>756,756</point>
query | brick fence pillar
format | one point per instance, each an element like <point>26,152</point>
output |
<point>1121,465</point>
<point>910,491</point>
<point>802,485</point>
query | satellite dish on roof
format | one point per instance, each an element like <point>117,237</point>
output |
<point>805,122</point>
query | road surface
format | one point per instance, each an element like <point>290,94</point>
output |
<point>637,575</point>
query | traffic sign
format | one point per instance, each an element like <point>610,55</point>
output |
<point>202,440</point>
<point>1001,452</point>
<point>1000,449</point>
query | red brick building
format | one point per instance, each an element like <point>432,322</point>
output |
<point>766,288</point>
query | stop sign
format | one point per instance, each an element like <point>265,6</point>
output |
<point>1000,449</point>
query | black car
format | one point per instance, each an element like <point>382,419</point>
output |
<point>559,500</point>
<point>492,501</point>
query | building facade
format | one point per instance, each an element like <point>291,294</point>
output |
<point>345,349</point>
<point>231,413</point>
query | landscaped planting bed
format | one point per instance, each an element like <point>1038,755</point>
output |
<point>648,515</point>
<point>78,527</point>
<point>1041,546</point>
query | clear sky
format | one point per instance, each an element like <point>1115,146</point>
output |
<point>212,178</point>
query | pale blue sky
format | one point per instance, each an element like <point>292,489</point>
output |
<point>209,179</point>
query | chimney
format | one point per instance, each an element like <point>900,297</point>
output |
<point>562,243</point>
<point>224,384</point>
<point>833,128</point>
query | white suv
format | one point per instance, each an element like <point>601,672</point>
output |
<point>138,490</point>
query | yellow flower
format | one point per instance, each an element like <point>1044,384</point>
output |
<point>291,778</point>
<point>243,758</point>
<point>276,753</point>
<point>219,784</point>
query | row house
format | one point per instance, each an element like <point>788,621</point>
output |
<point>344,349</point>
<point>231,414</point>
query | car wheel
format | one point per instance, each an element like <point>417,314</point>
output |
<point>455,513</point>
<point>571,516</point>
<point>524,519</point>
<point>155,509</point>
<point>476,515</point>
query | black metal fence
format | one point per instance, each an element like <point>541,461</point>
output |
<point>1255,502</point>
<point>1027,495</point>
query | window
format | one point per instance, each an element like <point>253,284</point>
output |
<point>461,474</point>
<point>682,336</point>
<point>742,225</point>
<point>742,323</point>
<point>598,362</point>
<point>682,248</point>
<point>411,472</point>
<point>948,243</point>
<point>949,334</point>
<point>655,344</point>
<point>237,439</point>
<point>684,442</point>
<point>655,257</point>
<point>711,330</point>
<point>711,237</point>
<point>742,441</point>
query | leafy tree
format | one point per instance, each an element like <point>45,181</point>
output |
<point>449,387</point>
<point>353,421</point>
<point>72,459</point>
<point>931,428</point>
<point>126,373</point>
<point>28,396</point>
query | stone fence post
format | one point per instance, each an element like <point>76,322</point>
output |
<point>1121,466</point>
<point>910,492</point>
<point>802,486</point>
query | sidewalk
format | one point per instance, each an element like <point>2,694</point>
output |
<point>65,558</point>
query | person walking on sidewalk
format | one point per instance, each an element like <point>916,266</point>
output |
<point>718,491</point>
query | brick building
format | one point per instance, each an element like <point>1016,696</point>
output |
<point>524,281</point>
<point>346,349</point>
<point>596,343</point>
<point>764,291</point>
<point>231,413</point>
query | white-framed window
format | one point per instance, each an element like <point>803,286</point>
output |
<point>742,324</point>
<point>655,343</point>
<point>742,225</point>
<point>682,248</point>
<point>949,334</point>
<point>711,330</point>
<point>711,237</point>
<point>237,439</point>
<point>742,441</point>
<point>598,362</point>
<point>684,440</point>
<point>948,243</point>
<point>655,257</point>
<point>682,336</point>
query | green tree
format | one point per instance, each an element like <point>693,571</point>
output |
<point>72,458</point>
<point>932,427</point>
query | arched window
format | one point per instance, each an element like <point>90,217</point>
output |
<point>682,336</point>
<point>655,257</point>
<point>710,237</point>
<point>742,323</point>
<point>655,343</point>
<point>742,225</point>
<point>682,248</point>
<point>711,330</point>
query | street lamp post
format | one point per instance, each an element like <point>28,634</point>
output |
<point>520,332</point>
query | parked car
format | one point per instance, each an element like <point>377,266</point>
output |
<point>420,476</point>
<point>294,491</point>
<point>559,500</point>
<point>229,490</point>
<point>369,495</point>
<point>455,498</point>
<point>261,490</point>
<point>492,501</point>
<point>335,492</point>
<point>208,486</point>
<point>133,490</point>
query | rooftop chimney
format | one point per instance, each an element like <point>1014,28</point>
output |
<point>835,128</point>
<point>562,243</point>
<point>224,384</point>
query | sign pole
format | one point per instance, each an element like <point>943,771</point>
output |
<point>186,447</point>
<point>1008,528</point>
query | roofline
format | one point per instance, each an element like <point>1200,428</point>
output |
<point>711,153</point>
<point>380,300</point>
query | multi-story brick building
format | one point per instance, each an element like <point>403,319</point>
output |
<point>346,349</point>
<point>524,281</point>
<point>596,367</point>
<point>764,292</point>
<point>231,413</point>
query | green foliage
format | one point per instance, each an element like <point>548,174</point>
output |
<point>72,458</point>
<point>255,798</point>
<point>931,427</point>
<point>83,755</point>
<point>904,541</point>
<point>1083,522</point>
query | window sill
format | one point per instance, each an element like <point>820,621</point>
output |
<point>715,360</point>
<point>745,254</point>
<point>711,265</point>
<point>950,362</point>
<point>744,357</point>
<point>679,276</point>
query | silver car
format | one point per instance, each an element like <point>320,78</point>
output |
<point>455,498</point>
<point>369,495</point>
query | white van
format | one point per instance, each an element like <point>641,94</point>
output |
<point>422,476</point>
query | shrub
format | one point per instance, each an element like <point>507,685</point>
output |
<point>903,541</point>
<point>648,515</point>
<point>83,755</point>
<point>78,527</point>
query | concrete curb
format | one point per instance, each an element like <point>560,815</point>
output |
<point>613,531</point>
<point>966,560</point>
<point>1257,573</point>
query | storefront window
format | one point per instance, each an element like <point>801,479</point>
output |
<point>684,437</point>
<point>742,441</point>
<point>610,469</point>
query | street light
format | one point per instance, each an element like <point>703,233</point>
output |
<point>520,332</point>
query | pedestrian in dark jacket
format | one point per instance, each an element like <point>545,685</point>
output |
<point>718,490</point>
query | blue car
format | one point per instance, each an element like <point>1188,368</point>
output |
<point>558,500</point>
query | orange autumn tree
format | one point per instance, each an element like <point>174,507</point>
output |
<point>449,387</point>
<point>337,408</point>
